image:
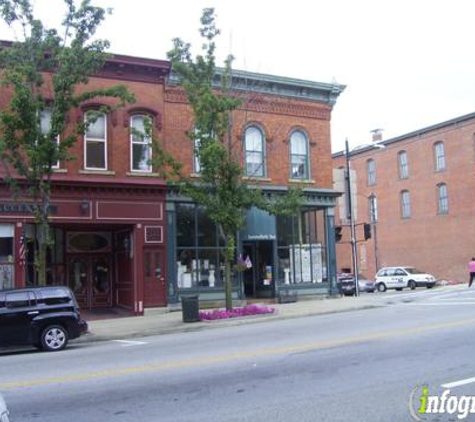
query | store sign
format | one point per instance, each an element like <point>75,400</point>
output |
<point>22,208</point>
<point>261,237</point>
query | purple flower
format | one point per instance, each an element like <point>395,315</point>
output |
<point>236,312</point>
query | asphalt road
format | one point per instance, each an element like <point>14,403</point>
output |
<point>354,366</point>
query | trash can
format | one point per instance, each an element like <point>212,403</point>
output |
<point>190,308</point>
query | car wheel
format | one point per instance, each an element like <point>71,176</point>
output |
<point>381,287</point>
<point>54,338</point>
<point>411,284</point>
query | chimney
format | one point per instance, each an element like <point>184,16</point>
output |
<point>377,135</point>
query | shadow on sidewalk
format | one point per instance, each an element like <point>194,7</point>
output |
<point>96,314</point>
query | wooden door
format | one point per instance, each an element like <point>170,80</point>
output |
<point>155,289</point>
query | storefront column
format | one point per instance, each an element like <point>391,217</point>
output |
<point>171,275</point>
<point>138,269</point>
<point>330,234</point>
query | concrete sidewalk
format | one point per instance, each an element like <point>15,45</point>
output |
<point>160,321</point>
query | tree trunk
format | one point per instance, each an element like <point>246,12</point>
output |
<point>228,260</point>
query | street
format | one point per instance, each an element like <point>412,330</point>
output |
<point>351,366</point>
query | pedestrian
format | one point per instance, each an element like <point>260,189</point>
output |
<point>471,268</point>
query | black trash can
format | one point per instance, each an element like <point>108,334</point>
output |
<point>190,308</point>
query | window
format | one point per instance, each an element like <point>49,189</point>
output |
<point>373,209</point>
<point>140,144</point>
<point>95,150</point>
<point>439,156</point>
<point>18,299</point>
<point>299,155</point>
<point>405,204</point>
<point>442,199</point>
<point>371,170</point>
<point>403,166</point>
<point>196,158</point>
<point>45,127</point>
<point>255,152</point>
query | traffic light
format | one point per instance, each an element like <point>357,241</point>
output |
<point>338,233</point>
<point>367,231</point>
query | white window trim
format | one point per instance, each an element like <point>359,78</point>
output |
<point>86,140</point>
<point>308,176</point>
<point>149,169</point>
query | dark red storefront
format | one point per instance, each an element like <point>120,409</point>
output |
<point>108,241</point>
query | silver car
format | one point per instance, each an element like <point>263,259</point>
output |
<point>3,411</point>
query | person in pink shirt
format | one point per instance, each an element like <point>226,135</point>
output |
<point>471,268</point>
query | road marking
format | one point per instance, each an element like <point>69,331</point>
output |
<point>458,383</point>
<point>441,303</point>
<point>128,343</point>
<point>210,360</point>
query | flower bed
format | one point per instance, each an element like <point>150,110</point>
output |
<point>236,312</point>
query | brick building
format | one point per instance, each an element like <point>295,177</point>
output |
<point>122,239</point>
<point>418,195</point>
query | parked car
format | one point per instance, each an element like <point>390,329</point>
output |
<point>45,317</point>
<point>4,415</point>
<point>346,284</point>
<point>400,277</point>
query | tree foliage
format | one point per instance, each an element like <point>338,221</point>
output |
<point>42,71</point>
<point>222,190</point>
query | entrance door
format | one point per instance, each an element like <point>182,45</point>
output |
<point>259,281</point>
<point>90,280</point>
<point>155,293</point>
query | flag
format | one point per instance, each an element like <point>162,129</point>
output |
<point>22,249</point>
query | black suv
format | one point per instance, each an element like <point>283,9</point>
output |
<point>45,317</point>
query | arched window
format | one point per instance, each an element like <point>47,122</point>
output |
<point>45,127</point>
<point>299,156</point>
<point>405,204</point>
<point>255,152</point>
<point>403,165</point>
<point>439,156</point>
<point>95,139</point>
<point>442,199</point>
<point>371,172</point>
<point>140,143</point>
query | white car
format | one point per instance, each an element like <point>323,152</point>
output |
<point>3,411</point>
<point>400,277</point>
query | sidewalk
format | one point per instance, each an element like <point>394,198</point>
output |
<point>161,321</point>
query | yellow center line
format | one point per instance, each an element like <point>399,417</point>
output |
<point>209,360</point>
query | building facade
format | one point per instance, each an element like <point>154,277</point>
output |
<point>418,195</point>
<point>121,238</point>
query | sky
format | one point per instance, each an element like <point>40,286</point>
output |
<point>407,64</point>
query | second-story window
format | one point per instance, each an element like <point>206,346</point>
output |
<point>196,158</point>
<point>442,199</point>
<point>95,149</point>
<point>371,171</point>
<point>299,155</point>
<point>439,156</point>
<point>140,144</point>
<point>373,209</point>
<point>45,127</point>
<point>255,152</point>
<point>403,166</point>
<point>405,204</point>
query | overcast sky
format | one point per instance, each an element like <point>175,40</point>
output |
<point>407,64</point>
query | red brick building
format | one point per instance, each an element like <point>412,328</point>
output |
<point>418,194</point>
<point>122,239</point>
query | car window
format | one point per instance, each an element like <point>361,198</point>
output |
<point>390,272</point>
<point>414,271</point>
<point>382,273</point>
<point>17,299</point>
<point>400,272</point>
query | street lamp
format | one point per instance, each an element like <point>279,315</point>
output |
<point>354,250</point>
<point>354,256</point>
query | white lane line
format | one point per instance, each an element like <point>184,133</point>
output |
<point>127,343</point>
<point>441,303</point>
<point>458,383</point>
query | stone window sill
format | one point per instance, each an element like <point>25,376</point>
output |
<point>98,172</point>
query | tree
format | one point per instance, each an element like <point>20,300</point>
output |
<point>222,190</point>
<point>43,71</point>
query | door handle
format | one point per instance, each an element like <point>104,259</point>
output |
<point>33,313</point>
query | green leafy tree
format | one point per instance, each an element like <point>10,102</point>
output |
<point>45,74</point>
<point>222,190</point>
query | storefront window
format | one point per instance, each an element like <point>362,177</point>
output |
<point>199,253</point>
<point>302,248</point>
<point>6,256</point>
